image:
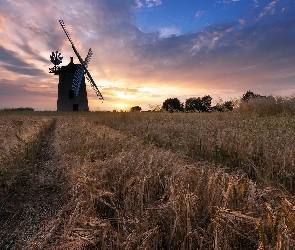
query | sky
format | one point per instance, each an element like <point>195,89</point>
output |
<point>145,51</point>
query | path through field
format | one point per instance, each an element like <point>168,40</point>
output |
<point>29,209</point>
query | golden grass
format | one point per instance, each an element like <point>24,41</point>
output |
<point>15,129</point>
<point>174,181</point>
<point>19,140</point>
<point>134,195</point>
<point>263,147</point>
<point>270,105</point>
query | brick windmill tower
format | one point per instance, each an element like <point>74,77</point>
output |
<point>72,94</point>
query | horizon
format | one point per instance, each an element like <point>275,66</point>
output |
<point>145,52</point>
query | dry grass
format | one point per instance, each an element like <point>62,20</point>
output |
<point>263,147</point>
<point>19,140</point>
<point>270,105</point>
<point>16,129</point>
<point>133,195</point>
<point>144,183</point>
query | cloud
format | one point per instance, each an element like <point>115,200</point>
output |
<point>226,1</point>
<point>257,50</point>
<point>151,3</point>
<point>24,92</point>
<point>31,52</point>
<point>199,13</point>
<point>269,9</point>
<point>207,59</point>
<point>22,87</point>
<point>215,55</point>
<point>14,63</point>
<point>19,93</point>
<point>242,22</point>
<point>24,70</point>
<point>169,31</point>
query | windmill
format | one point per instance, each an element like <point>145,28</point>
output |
<point>72,93</point>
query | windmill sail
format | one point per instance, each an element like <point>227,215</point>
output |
<point>88,57</point>
<point>79,73</point>
<point>77,79</point>
<point>93,85</point>
<point>83,65</point>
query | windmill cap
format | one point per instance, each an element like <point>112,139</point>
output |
<point>71,67</point>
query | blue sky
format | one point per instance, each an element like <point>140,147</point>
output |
<point>145,51</point>
<point>188,16</point>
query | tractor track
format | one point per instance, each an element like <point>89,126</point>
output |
<point>30,206</point>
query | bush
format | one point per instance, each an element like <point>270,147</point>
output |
<point>135,109</point>
<point>18,109</point>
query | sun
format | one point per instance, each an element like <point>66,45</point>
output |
<point>122,106</point>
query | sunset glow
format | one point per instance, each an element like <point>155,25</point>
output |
<point>122,106</point>
<point>122,95</point>
<point>147,51</point>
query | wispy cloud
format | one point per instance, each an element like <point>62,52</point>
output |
<point>13,62</point>
<point>199,13</point>
<point>226,1</point>
<point>151,3</point>
<point>269,9</point>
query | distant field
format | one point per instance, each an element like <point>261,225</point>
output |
<point>148,180</point>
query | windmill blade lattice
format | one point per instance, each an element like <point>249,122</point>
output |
<point>80,72</point>
<point>88,57</point>
<point>68,36</point>
<point>93,85</point>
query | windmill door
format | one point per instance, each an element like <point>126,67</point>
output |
<point>75,107</point>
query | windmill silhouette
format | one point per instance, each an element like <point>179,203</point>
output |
<point>72,94</point>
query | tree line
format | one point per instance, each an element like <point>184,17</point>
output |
<point>198,104</point>
<point>203,104</point>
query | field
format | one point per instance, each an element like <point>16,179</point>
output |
<point>148,180</point>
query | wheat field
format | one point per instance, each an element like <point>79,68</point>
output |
<point>149,180</point>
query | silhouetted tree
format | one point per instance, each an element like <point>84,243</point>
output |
<point>206,103</point>
<point>249,95</point>
<point>193,104</point>
<point>135,109</point>
<point>198,104</point>
<point>172,104</point>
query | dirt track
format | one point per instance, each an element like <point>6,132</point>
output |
<point>36,199</point>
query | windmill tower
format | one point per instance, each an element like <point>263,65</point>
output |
<point>72,94</point>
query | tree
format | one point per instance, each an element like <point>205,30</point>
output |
<point>198,104</point>
<point>193,104</point>
<point>172,104</point>
<point>249,95</point>
<point>135,109</point>
<point>206,103</point>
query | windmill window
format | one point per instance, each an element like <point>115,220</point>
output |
<point>71,94</point>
